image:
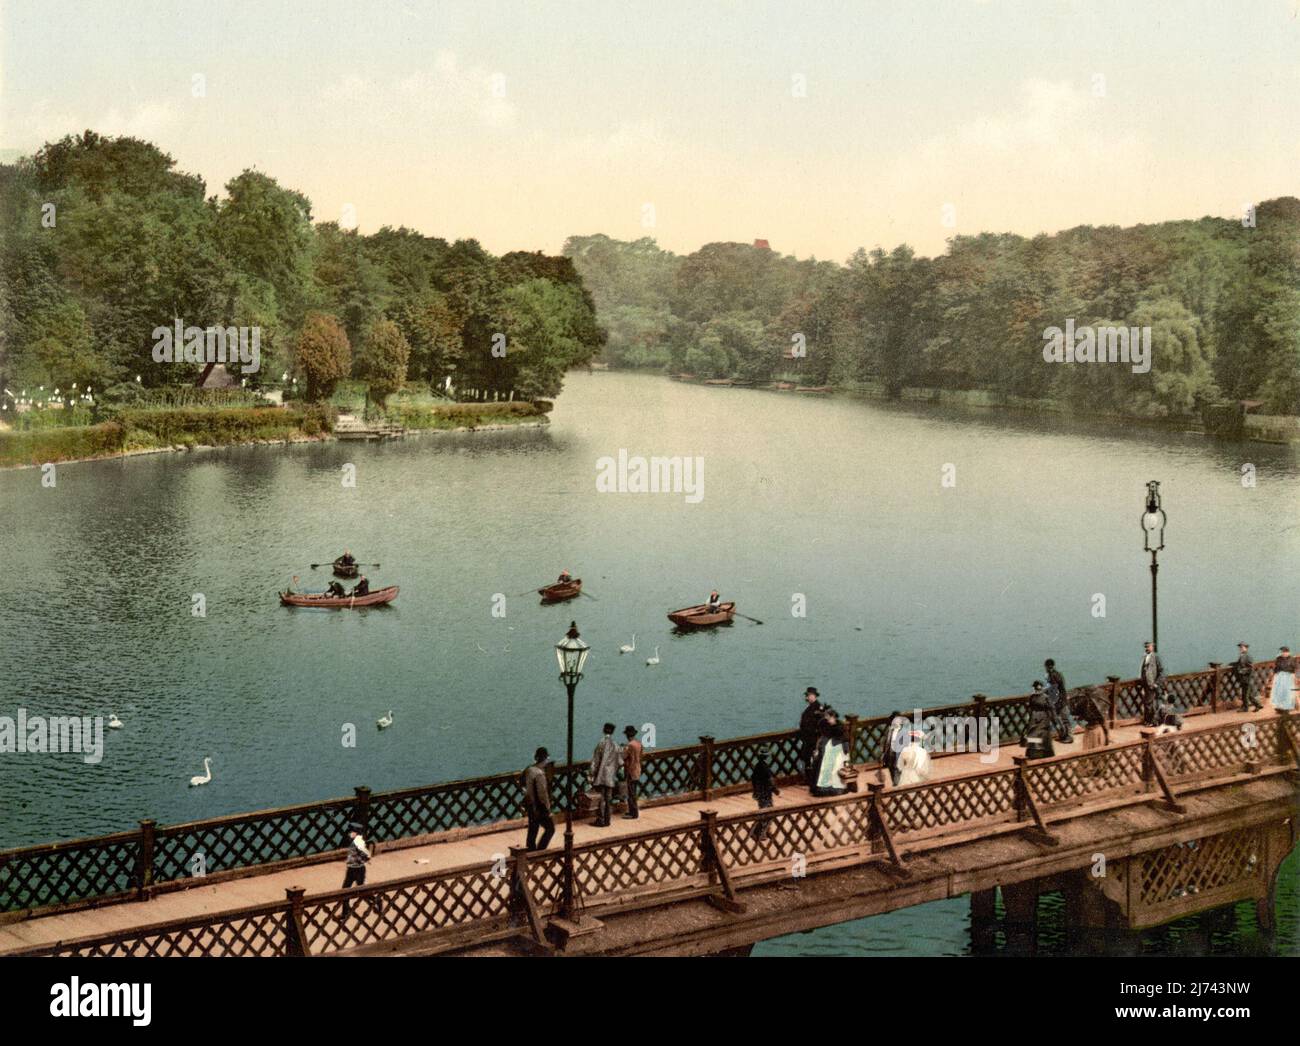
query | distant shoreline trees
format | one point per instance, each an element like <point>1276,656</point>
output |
<point>1222,299</point>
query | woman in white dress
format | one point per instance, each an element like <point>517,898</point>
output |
<point>913,762</point>
<point>1283,685</point>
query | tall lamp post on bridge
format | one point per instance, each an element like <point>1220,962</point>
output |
<point>1153,537</point>
<point>571,653</point>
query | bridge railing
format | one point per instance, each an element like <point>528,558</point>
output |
<point>475,903</point>
<point>119,867</point>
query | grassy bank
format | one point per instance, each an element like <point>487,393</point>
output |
<point>159,428</point>
<point>136,429</point>
<point>427,416</point>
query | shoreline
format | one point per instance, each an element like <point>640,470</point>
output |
<point>1273,430</point>
<point>180,448</point>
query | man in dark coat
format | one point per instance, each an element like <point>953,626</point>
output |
<point>895,742</point>
<point>1060,703</point>
<point>1038,736</point>
<point>1151,676</point>
<point>764,787</point>
<point>1243,671</point>
<point>537,803</point>
<point>810,729</point>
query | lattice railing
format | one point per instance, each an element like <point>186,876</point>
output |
<point>259,930</point>
<point>454,899</point>
<point>114,866</point>
<point>1200,865</point>
<point>42,876</point>
<point>630,870</point>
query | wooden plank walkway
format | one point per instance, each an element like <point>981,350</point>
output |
<point>393,863</point>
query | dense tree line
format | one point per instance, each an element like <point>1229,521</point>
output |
<point>1221,299</point>
<point>104,240</point>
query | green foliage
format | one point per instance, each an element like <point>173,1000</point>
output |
<point>322,354</point>
<point>136,244</point>
<point>382,360</point>
<point>1222,302</point>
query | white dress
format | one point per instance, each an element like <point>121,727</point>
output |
<point>913,765</point>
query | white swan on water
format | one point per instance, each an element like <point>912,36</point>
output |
<point>113,722</point>
<point>625,649</point>
<point>385,721</point>
<point>653,660</point>
<point>205,777</point>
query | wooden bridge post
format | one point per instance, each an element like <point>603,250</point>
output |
<point>983,920</point>
<point>295,935</point>
<point>361,811</point>
<point>713,863</point>
<point>1214,689</point>
<point>706,767</point>
<point>1113,692</point>
<point>521,896</point>
<point>144,860</point>
<point>1151,771</point>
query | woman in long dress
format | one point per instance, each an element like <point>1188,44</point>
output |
<point>913,762</point>
<point>1283,685</point>
<point>831,757</point>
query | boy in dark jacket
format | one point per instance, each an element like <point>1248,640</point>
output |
<point>764,787</point>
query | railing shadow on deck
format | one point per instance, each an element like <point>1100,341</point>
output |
<point>125,866</point>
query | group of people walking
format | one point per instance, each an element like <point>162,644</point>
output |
<point>615,768</point>
<point>826,762</point>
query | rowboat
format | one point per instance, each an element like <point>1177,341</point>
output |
<point>377,598</point>
<point>561,591</point>
<point>342,569</point>
<point>703,616</point>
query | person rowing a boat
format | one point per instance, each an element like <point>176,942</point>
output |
<point>564,578</point>
<point>362,587</point>
<point>347,559</point>
<point>714,601</point>
<point>335,590</point>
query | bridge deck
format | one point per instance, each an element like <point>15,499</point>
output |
<point>394,863</point>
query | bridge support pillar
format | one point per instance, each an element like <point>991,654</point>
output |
<point>1020,902</point>
<point>983,921</point>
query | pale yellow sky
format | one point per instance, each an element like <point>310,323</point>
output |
<point>821,127</point>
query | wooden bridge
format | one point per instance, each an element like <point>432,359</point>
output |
<point>1146,830</point>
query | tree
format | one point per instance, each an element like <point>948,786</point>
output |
<point>322,354</point>
<point>382,360</point>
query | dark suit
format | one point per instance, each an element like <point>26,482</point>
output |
<point>809,731</point>
<point>1152,675</point>
<point>1243,671</point>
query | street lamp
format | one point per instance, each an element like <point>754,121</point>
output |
<point>571,654</point>
<point>1153,540</point>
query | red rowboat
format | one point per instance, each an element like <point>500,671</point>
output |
<point>561,591</point>
<point>377,598</point>
<point>703,616</point>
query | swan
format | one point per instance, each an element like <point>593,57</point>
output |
<point>205,777</point>
<point>385,721</point>
<point>653,660</point>
<point>625,649</point>
<point>113,722</point>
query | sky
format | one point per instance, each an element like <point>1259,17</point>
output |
<point>822,127</point>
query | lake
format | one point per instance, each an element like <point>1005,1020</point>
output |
<point>913,592</point>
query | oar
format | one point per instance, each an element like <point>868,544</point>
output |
<point>331,563</point>
<point>756,621</point>
<point>584,592</point>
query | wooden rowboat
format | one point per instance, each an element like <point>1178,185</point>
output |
<point>377,598</point>
<point>561,591</point>
<point>342,569</point>
<point>702,616</point>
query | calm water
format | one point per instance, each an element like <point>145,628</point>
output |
<point>916,594</point>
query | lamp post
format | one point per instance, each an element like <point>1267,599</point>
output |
<point>571,654</point>
<point>1153,540</point>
